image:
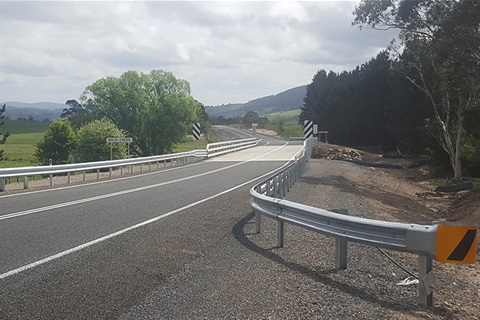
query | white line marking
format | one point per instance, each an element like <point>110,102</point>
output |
<point>137,175</point>
<point>119,193</point>
<point>101,239</point>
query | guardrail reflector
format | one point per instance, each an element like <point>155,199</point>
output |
<point>456,244</point>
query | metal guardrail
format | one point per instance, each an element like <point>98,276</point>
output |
<point>219,148</point>
<point>213,149</point>
<point>414,238</point>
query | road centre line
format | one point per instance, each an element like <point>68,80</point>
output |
<point>112,235</point>
<point>119,193</point>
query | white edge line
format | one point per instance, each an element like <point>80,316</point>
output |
<point>101,239</point>
<point>137,175</point>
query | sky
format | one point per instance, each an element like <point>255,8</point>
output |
<point>229,52</point>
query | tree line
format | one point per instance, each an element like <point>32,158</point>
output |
<point>156,109</point>
<point>421,95</point>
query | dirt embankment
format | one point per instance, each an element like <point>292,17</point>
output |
<point>463,206</point>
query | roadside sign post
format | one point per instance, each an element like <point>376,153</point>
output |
<point>254,129</point>
<point>196,132</point>
<point>307,129</point>
<point>113,140</point>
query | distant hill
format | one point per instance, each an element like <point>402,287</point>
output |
<point>291,99</point>
<point>39,111</point>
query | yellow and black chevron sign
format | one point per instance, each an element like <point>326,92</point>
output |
<point>456,244</point>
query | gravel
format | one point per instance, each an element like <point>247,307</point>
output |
<point>245,276</point>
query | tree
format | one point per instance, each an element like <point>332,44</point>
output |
<point>92,145</point>
<point>57,144</point>
<point>352,105</point>
<point>156,109</point>
<point>5,135</point>
<point>279,123</point>
<point>77,114</point>
<point>441,54</point>
<point>249,118</point>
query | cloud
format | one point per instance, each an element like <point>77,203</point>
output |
<point>228,51</point>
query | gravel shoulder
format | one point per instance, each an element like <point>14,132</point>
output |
<point>244,276</point>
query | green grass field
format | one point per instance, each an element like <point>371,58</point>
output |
<point>20,146</point>
<point>291,116</point>
<point>24,135</point>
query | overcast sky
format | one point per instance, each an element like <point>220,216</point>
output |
<point>229,52</point>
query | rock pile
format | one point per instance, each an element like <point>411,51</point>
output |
<point>335,153</point>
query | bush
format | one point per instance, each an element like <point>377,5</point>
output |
<point>470,157</point>
<point>92,144</point>
<point>57,144</point>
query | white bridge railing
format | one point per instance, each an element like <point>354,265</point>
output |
<point>213,149</point>
<point>427,241</point>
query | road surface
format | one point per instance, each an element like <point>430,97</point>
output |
<point>91,251</point>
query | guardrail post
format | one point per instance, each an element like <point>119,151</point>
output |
<point>340,247</point>
<point>164,163</point>
<point>150,166</point>
<point>2,184</point>
<point>84,176</point>
<point>110,171</point>
<point>280,185</point>
<point>280,234</point>
<point>25,182</point>
<point>267,191</point>
<point>290,183</point>
<point>121,171</point>
<point>275,186</point>
<point>426,279</point>
<point>158,165</point>
<point>98,174</point>
<point>51,180</point>
<point>258,222</point>
<point>69,180</point>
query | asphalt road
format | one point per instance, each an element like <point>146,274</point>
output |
<point>91,251</point>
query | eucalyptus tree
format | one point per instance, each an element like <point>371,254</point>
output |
<point>439,53</point>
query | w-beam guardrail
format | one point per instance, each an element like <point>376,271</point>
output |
<point>219,148</point>
<point>446,243</point>
<point>213,149</point>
